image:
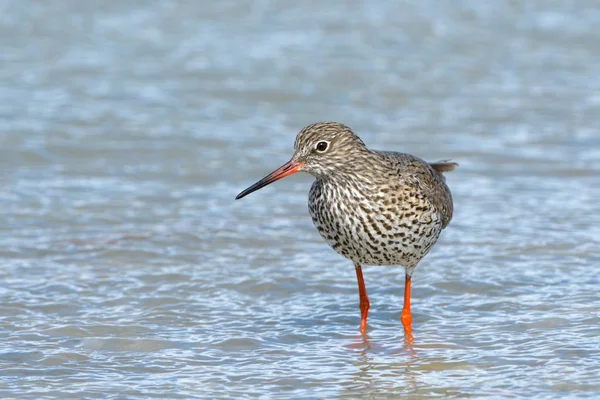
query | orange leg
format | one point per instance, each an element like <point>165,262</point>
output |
<point>364,300</point>
<point>406,318</point>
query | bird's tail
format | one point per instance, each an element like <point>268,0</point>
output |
<point>444,166</point>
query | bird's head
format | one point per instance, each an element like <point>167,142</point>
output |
<point>324,150</point>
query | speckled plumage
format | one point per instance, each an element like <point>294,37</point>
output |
<point>379,208</point>
<point>373,207</point>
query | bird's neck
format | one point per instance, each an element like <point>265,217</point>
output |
<point>347,176</point>
<point>358,167</point>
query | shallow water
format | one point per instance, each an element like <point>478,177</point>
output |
<point>128,270</point>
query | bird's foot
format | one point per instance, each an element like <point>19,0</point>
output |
<point>406,319</point>
<point>364,311</point>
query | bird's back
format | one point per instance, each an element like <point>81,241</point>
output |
<point>426,178</point>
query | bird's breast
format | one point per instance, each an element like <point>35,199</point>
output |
<point>378,225</point>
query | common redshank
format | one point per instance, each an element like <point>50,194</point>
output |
<point>372,207</point>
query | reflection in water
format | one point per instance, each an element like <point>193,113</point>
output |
<point>128,270</point>
<point>369,374</point>
<point>362,375</point>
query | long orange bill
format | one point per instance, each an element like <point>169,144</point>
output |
<point>286,169</point>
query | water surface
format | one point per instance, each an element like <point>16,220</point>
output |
<point>128,270</point>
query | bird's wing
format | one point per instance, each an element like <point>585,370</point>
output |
<point>428,179</point>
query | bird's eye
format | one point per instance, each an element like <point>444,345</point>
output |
<point>322,146</point>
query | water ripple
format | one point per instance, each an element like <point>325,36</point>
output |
<point>130,271</point>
